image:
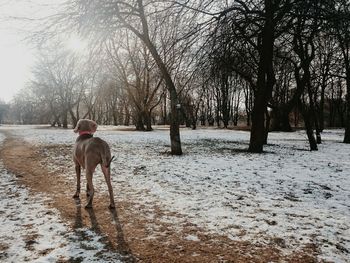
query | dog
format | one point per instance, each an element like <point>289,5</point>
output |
<point>89,152</point>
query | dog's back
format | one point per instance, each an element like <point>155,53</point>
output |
<point>91,150</point>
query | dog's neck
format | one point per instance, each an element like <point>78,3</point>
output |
<point>85,135</point>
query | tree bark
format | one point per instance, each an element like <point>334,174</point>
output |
<point>139,122</point>
<point>65,119</point>
<point>147,118</point>
<point>347,122</point>
<point>280,120</point>
<point>265,82</point>
<point>308,126</point>
<point>267,125</point>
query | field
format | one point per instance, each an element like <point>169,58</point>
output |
<point>216,203</point>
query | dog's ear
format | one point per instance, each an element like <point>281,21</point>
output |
<point>77,127</point>
<point>93,126</point>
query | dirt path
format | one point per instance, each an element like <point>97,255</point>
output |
<point>128,229</point>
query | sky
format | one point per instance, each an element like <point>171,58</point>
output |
<point>16,59</point>
<point>17,55</point>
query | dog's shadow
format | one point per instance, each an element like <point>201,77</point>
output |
<point>78,217</point>
<point>122,246</point>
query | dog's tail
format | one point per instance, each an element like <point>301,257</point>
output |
<point>109,163</point>
<point>106,159</point>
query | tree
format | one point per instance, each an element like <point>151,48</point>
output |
<point>59,85</point>
<point>339,18</point>
<point>3,110</point>
<point>109,16</point>
<point>255,24</point>
<point>132,65</point>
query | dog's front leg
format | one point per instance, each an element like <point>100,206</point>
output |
<point>78,173</point>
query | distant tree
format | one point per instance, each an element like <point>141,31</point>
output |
<point>3,110</point>
<point>325,67</point>
<point>59,84</point>
<point>26,108</point>
<point>132,65</point>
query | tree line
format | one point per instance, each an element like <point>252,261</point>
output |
<point>266,64</point>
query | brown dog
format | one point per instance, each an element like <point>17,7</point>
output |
<point>88,152</point>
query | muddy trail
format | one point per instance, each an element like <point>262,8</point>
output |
<point>128,230</point>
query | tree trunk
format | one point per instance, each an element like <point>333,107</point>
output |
<point>247,101</point>
<point>317,125</point>
<point>321,112</point>
<point>347,121</point>
<point>314,117</point>
<point>194,124</point>
<point>115,117</point>
<point>226,117</point>
<point>65,119</point>
<point>265,82</point>
<point>257,133</point>
<point>225,107</point>
<point>280,120</point>
<point>165,121</point>
<point>74,119</point>
<point>248,118</point>
<point>308,126</point>
<point>127,117</point>
<point>139,122</point>
<point>148,120</point>
<point>310,133</point>
<point>267,125</point>
<point>174,101</point>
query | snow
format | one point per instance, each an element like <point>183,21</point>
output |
<point>288,192</point>
<point>32,232</point>
<point>192,238</point>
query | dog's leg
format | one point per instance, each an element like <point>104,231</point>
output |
<point>78,173</point>
<point>89,172</point>
<point>107,173</point>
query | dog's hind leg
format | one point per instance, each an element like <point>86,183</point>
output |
<point>107,173</point>
<point>90,194</point>
<point>78,174</point>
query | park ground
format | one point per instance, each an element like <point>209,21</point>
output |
<point>215,203</point>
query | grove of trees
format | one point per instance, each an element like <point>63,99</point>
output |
<point>265,64</point>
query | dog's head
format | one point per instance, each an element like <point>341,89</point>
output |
<point>85,126</point>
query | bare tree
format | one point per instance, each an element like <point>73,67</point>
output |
<point>131,64</point>
<point>59,84</point>
<point>107,17</point>
<point>3,109</point>
<point>339,18</point>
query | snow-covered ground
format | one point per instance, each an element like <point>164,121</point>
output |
<point>288,193</point>
<point>32,232</point>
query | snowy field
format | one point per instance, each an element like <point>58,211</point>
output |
<point>289,193</point>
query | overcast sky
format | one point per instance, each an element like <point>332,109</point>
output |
<point>17,55</point>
